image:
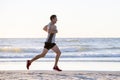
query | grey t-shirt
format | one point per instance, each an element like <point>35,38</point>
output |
<point>50,37</point>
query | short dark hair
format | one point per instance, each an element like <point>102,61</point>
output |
<point>52,17</point>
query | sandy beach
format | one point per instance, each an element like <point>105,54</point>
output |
<point>54,75</point>
<point>71,71</point>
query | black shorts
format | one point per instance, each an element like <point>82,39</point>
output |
<point>49,45</point>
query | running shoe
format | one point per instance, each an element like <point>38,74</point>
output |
<point>28,64</point>
<point>56,68</point>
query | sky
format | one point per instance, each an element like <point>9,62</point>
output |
<point>76,18</point>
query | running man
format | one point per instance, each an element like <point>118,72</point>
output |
<point>51,29</point>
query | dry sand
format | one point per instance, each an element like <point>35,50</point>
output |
<point>54,75</point>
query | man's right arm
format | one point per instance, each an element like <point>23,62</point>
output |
<point>52,30</point>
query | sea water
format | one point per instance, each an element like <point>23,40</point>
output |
<point>72,49</point>
<point>91,54</point>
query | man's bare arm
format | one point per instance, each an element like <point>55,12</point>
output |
<point>52,30</point>
<point>45,28</point>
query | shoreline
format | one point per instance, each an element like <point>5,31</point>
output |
<point>74,66</point>
<point>64,75</point>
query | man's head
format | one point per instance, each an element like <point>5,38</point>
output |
<point>53,18</point>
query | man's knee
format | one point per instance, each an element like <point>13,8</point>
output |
<point>59,53</point>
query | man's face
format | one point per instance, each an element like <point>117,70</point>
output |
<point>54,20</point>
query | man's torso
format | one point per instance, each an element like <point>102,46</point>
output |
<point>51,36</point>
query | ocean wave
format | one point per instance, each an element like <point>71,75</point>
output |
<point>63,49</point>
<point>63,55</point>
<point>70,48</point>
<point>19,50</point>
<point>112,59</point>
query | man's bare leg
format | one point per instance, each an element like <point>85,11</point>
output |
<point>58,53</point>
<point>40,55</point>
<point>37,57</point>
